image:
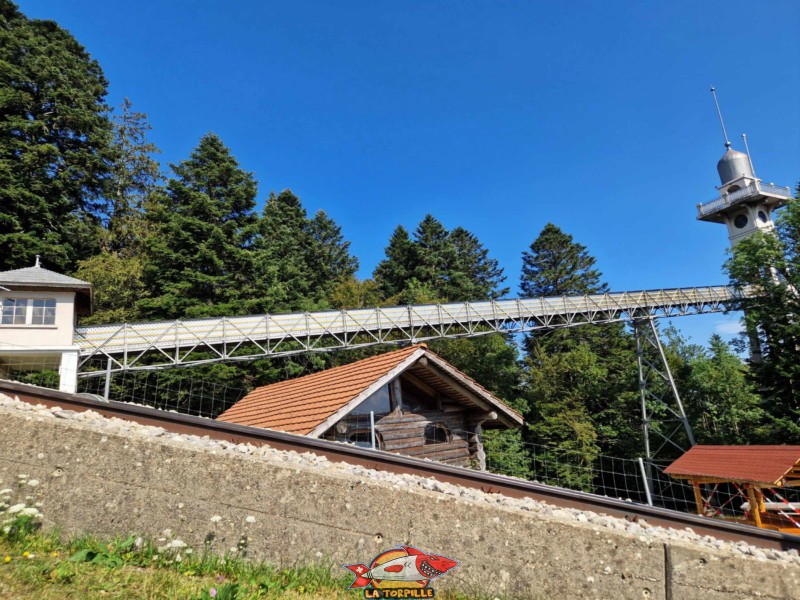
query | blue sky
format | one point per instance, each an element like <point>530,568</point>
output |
<point>496,116</point>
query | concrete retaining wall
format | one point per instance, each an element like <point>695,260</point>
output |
<point>93,481</point>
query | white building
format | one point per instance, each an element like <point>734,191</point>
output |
<point>37,323</point>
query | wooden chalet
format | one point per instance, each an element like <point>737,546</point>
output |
<point>762,477</point>
<point>421,406</point>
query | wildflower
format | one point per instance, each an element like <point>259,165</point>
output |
<point>212,592</point>
<point>33,482</point>
<point>16,508</point>
<point>5,491</point>
<point>26,554</point>
<point>178,557</point>
<point>216,519</point>
<point>7,559</point>
<point>54,554</point>
<point>188,551</point>
<point>250,519</point>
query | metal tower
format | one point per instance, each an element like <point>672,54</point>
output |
<point>745,204</point>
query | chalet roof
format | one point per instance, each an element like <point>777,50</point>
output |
<point>38,278</point>
<point>765,465</point>
<point>312,404</point>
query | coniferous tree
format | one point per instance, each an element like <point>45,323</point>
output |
<point>329,258</point>
<point>438,265</point>
<point>556,265</point>
<point>117,271</point>
<point>54,143</point>
<point>135,177</point>
<point>198,259</point>
<point>281,254</point>
<point>393,273</point>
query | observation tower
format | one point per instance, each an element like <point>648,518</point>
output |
<point>745,204</point>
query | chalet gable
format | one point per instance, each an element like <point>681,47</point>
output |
<point>313,404</point>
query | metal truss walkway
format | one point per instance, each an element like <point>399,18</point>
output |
<point>163,344</point>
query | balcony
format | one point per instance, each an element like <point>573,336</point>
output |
<point>754,190</point>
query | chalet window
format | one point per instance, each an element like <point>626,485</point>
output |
<point>27,311</point>
<point>436,433</point>
<point>363,439</point>
<point>380,403</point>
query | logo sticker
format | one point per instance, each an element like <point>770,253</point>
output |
<point>402,572</point>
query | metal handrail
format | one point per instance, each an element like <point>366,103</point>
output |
<point>754,188</point>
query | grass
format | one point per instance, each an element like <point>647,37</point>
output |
<point>43,566</point>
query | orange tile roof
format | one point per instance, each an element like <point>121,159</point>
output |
<point>300,405</point>
<point>750,464</point>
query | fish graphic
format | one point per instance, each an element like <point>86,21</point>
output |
<point>416,566</point>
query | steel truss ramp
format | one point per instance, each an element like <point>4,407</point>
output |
<point>163,344</point>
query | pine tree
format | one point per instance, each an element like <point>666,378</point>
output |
<point>329,258</point>
<point>281,254</point>
<point>198,259</point>
<point>556,265</point>
<point>135,177</point>
<point>473,275</point>
<point>54,143</point>
<point>438,265</point>
<point>117,271</point>
<point>393,273</point>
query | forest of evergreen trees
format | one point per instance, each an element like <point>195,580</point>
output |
<point>81,185</point>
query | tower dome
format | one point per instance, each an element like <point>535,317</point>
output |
<point>733,165</point>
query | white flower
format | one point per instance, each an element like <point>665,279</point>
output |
<point>176,544</point>
<point>216,519</point>
<point>33,482</point>
<point>16,508</point>
<point>187,551</point>
<point>29,512</point>
<point>5,492</point>
<point>250,519</point>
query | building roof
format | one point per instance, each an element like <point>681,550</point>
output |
<point>312,404</point>
<point>39,278</point>
<point>765,465</point>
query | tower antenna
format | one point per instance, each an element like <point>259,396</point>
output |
<point>750,160</point>
<point>719,112</point>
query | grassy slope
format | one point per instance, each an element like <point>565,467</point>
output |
<point>43,567</point>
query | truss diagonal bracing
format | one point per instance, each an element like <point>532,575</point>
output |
<point>157,345</point>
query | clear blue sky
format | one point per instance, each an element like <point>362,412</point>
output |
<point>498,116</point>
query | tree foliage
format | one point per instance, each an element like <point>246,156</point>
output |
<point>438,265</point>
<point>55,139</point>
<point>770,264</point>
<point>197,259</point>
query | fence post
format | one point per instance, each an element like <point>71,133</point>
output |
<point>372,427</point>
<point>107,389</point>
<point>646,482</point>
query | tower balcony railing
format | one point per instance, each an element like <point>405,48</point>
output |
<point>754,189</point>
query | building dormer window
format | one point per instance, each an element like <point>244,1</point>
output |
<point>28,311</point>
